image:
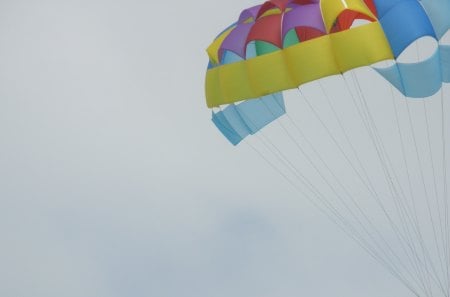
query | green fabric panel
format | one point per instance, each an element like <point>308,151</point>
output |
<point>291,38</point>
<point>263,48</point>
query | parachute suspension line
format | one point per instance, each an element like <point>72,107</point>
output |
<point>377,198</point>
<point>385,162</point>
<point>435,277</point>
<point>427,199</point>
<point>347,192</point>
<point>327,209</point>
<point>445,271</point>
<point>284,160</point>
<point>366,179</point>
<point>381,150</point>
<point>445,197</point>
<point>434,175</point>
<point>405,163</point>
<point>302,178</point>
<point>336,193</point>
<point>337,220</point>
<point>412,255</point>
<point>408,175</point>
<point>438,205</point>
<point>319,196</point>
<point>367,184</point>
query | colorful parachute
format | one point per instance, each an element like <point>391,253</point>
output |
<point>367,131</point>
<point>283,44</point>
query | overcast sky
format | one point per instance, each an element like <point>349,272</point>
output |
<point>114,181</point>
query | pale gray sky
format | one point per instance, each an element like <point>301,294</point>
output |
<point>114,181</point>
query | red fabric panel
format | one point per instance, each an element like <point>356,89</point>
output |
<point>281,4</point>
<point>265,7</point>
<point>307,33</point>
<point>267,29</point>
<point>346,19</point>
<point>371,6</point>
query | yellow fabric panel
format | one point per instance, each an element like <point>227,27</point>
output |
<point>275,10</point>
<point>311,60</point>
<point>266,74</point>
<point>235,77</point>
<point>213,49</point>
<point>331,9</point>
<point>271,12</point>
<point>249,20</point>
<point>296,65</point>
<point>212,87</point>
<point>360,48</point>
<point>278,77</point>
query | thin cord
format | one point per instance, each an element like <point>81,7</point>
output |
<point>408,174</point>
<point>336,193</point>
<point>343,228</point>
<point>437,279</point>
<point>379,147</point>
<point>368,184</point>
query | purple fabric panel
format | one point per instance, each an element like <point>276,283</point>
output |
<point>305,16</point>
<point>236,40</point>
<point>301,15</point>
<point>251,12</point>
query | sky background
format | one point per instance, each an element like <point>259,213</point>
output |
<point>114,181</point>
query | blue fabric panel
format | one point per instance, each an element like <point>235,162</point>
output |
<point>250,52</point>
<point>236,122</point>
<point>416,80</point>
<point>260,112</point>
<point>392,75</point>
<point>383,6</point>
<point>445,62</point>
<point>239,121</point>
<point>225,127</point>
<point>403,23</point>
<point>422,79</point>
<point>439,13</point>
<point>229,57</point>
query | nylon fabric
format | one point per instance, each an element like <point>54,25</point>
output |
<point>438,12</point>
<point>403,21</point>
<point>445,62</point>
<point>416,80</point>
<point>237,121</point>
<point>331,9</point>
<point>296,65</point>
<point>258,113</point>
<point>226,128</point>
<point>213,49</point>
